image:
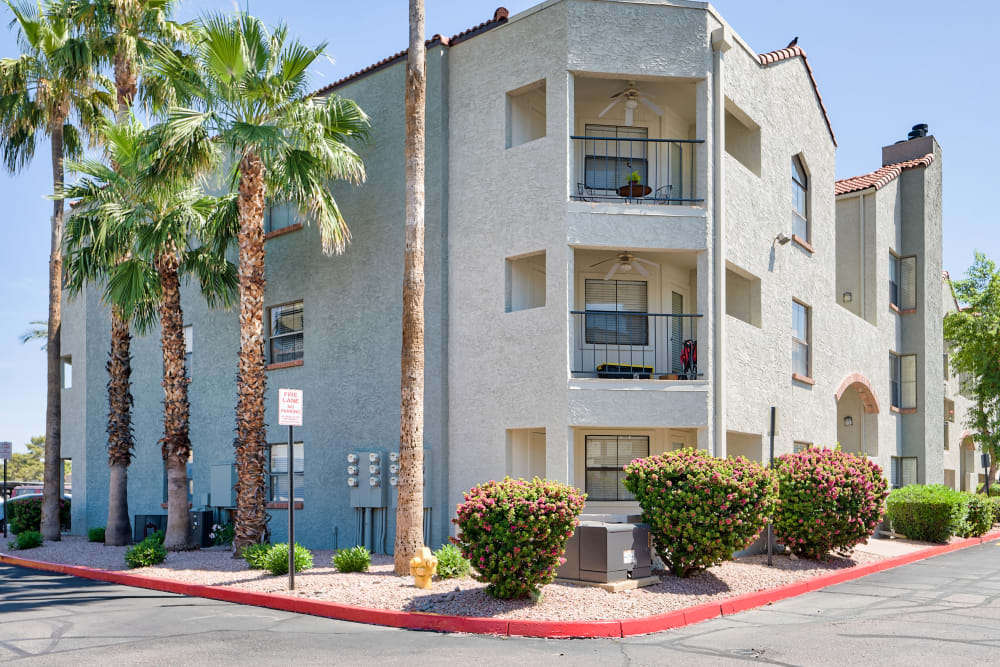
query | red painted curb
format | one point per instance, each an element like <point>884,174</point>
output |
<point>494,626</point>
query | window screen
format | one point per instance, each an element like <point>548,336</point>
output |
<point>800,339</point>
<point>800,199</point>
<point>903,380</point>
<point>619,298</point>
<point>903,281</point>
<point>609,160</point>
<point>607,455</point>
<point>904,471</point>
<point>278,472</point>
<point>286,332</point>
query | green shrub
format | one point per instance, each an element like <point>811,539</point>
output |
<point>979,516</point>
<point>276,559</point>
<point>26,514</point>
<point>933,513</point>
<point>700,509</point>
<point>829,499</point>
<point>222,533</point>
<point>451,562</point>
<point>994,489</point>
<point>148,552</point>
<point>28,539</point>
<point>514,533</point>
<point>995,504</point>
<point>254,555</point>
<point>355,559</point>
<point>96,534</point>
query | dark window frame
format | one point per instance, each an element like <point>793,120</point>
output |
<point>618,469</point>
<point>272,337</point>
<point>272,477</point>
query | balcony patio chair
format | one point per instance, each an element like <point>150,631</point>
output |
<point>662,194</point>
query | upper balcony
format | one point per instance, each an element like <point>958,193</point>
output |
<point>634,142</point>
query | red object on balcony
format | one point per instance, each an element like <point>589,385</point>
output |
<point>634,190</point>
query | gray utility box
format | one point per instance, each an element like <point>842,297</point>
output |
<point>607,552</point>
<point>222,486</point>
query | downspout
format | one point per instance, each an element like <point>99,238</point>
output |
<point>720,44</point>
<point>861,255</point>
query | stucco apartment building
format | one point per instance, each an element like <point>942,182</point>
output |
<point>635,243</point>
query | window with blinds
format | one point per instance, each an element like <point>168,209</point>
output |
<point>903,281</point>
<point>903,380</point>
<point>800,339</point>
<point>622,299</point>
<point>188,349</point>
<point>286,332</point>
<point>607,455</point>
<point>609,162</point>
<point>278,216</point>
<point>278,472</point>
<point>800,199</point>
<point>904,471</point>
<point>799,446</point>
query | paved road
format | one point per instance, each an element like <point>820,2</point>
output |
<point>943,609</point>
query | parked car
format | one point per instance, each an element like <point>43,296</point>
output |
<point>17,498</point>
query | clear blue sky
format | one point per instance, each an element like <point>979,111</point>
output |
<point>881,66</point>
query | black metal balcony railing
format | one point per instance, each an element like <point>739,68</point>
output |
<point>606,167</point>
<point>614,344</point>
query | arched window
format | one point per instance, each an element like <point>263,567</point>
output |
<point>800,199</point>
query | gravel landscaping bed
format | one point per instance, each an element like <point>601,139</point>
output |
<point>381,589</point>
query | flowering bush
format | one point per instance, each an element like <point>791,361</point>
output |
<point>514,532</point>
<point>222,533</point>
<point>933,513</point>
<point>828,499</point>
<point>700,509</point>
<point>978,517</point>
<point>26,513</point>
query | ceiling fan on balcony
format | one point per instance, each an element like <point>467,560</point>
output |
<point>625,262</point>
<point>632,97</point>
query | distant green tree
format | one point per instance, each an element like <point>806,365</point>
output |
<point>974,336</point>
<point>28,467</point>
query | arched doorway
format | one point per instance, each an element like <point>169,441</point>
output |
<point>857,416</point>
<point>967,465</point>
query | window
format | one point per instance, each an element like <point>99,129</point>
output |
<point>525,282</point>
<point>286,332</point>
<point>188,350</point>
<point>903,281</point>
<point>279,215</point>
<point>743,296</point>
<point>947,370</point>
<point>609,162</point>
<point>620,297</point>
<point>607,455</point>
<point>947,434</point>
<point>799,446</point>
<point>800,199</point>
<point>526,114</point>
<point>67,372</point>
<point>278,472</point>
<point>800,339</point>
<point>742,137</point>
<point>904,471</point>
<point>903,380</point>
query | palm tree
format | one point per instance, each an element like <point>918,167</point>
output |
<point>140,226</point>
<point>121,34</point>
<point>250,88</point>
<point>50,84</point>
<point>37,330</point>
<point>410,509</point>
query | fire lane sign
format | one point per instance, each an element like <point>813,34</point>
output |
<point>290,407</point>
<point>6,450</point>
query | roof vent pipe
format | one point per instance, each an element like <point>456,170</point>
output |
<point>919,130</point>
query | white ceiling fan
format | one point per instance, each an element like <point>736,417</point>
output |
<point>625,262</point>
<point>632,97</point>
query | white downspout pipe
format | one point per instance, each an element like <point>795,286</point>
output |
<point>721,43</point>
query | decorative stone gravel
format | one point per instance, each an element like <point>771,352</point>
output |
<point>379,588</point>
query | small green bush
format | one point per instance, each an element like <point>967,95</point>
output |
<point>995,504</point>
<point>255,555</point>
<point>979,517</point>
<point>26,514</point>
<point>514,532</point>
<point>276,560</point>
<point>933,513</point>
<point>700,509</point>
<point>355,559</point>
<point>994,489</point>
<point>148,552</point>
<point>28,539</point>
<point>451,562</point>
<point>222,533</point>
<point>96,534</point>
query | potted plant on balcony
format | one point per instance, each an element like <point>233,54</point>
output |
<point>634,188</point>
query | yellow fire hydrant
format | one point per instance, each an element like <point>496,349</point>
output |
<point>423,567</point>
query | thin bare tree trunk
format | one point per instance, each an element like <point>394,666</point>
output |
<point>410,509</point>
<point>176,442</point>
<point>52,478</point>
<point>251,381</point>
<point>118,531</point>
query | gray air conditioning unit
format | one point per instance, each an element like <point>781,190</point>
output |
<point>607,552</point>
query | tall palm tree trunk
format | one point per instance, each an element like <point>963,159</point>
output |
<point>410,509</point>
<point>176,443</point>
<point>118,531</point>
<point>52,476</point>
<point>251,517</point>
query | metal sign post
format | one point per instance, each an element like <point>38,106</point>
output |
<point>986,466</point>
<point>290,415</point>
<point>770,519</point>
<point>6,451</point>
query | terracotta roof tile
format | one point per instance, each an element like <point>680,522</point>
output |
<point>880,177</point>
<point>499,18</point>
<point>795,52</point>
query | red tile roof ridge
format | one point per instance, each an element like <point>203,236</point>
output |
<point>772,57</point>
<point>881,176</point>
<point>499,18</point>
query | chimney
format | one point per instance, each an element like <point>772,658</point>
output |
<point>918,143</point>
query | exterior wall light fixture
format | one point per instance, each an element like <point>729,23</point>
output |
<point>848,420</point>
<point>848,297</point>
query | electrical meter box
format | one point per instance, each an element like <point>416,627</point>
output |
<point>367,478</point>
<point>222,485</point>
<point>394,470</point>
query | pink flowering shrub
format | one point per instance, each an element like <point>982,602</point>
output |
<point>700,509</point>
<point>514,532</point>
<point>828,499</point>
